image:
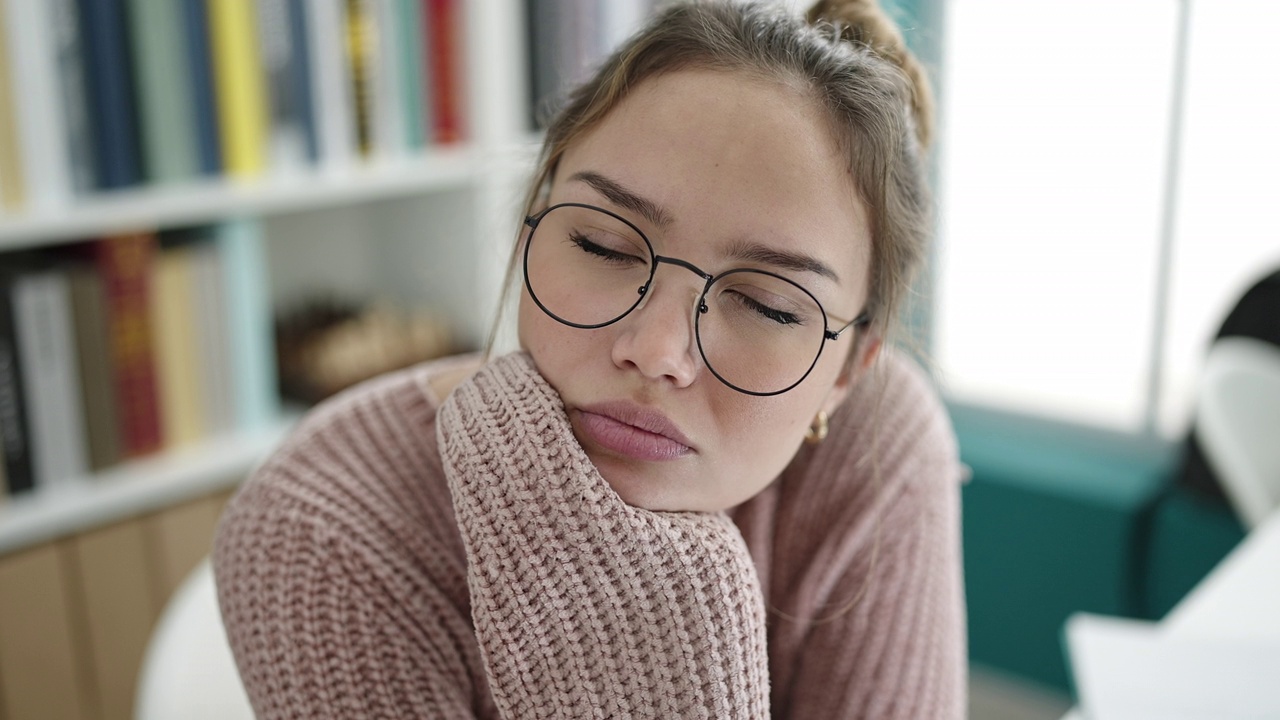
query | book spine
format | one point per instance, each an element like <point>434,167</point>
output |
<point>14,434</point>
<point>111,93</point>
<point>94,363</point>
<point>75,100</point>
<point>360,38</point>
<point>544,58</point>
<point>240,245</point>
<point>388,95</point>
<point>41,140</point>
<point>242,114</point>
<point>208,298</point>
<point>173,332</point>
<point>12,192</point>
<point>331,81</point>
<point>445,24</point>
<point>195,16</point>
<point>407,26</point>
<point>300,78</point>
<point>166,108</point>
<point>287,145</point>
<point>426,57</point>
<point>125,265</point>
<point>46,350</point>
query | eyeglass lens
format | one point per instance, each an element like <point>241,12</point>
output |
<point>760,334</point>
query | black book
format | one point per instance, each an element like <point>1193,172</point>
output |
<point>14,433</point>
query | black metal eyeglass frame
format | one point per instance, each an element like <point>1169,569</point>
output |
<point>532,222</point>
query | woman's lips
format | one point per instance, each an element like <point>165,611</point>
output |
<point>633,431</point>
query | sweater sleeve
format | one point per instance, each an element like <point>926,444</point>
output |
<point>583,605</point>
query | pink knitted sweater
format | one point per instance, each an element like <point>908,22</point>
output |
<point>399,557</point>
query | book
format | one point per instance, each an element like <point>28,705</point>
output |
<point>331,83</point>
<point>51,383</point>
<point>94,362</point>
<point>166,105</point>
<point>388,89</point>
<point>42,146</point>
<point>109,77</point>
<point>178,364</point>
<point>300,77</point>
<point>124,263</point>
<point>19,474</point>
<point>286,127</point>
<point>409,42</point>
<point>445,25</point>
<point>244,262</point>
<point>360,46</point>
<point>238,79</point>
<point>11,186</point>
<point>69,48</point>
<point>543,24</point>
<point>195,27</point>
<point>208,297</point>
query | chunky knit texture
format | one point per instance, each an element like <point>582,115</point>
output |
<point>399,559</point>
<point>631,613</point>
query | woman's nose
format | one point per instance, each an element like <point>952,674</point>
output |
<point>657,338</point>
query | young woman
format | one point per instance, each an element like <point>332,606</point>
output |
<point>701,489</point>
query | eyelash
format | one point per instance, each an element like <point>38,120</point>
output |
<point>610,256</point>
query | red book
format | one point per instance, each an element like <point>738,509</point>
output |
<point>443,23</point>
<point>125,264</point>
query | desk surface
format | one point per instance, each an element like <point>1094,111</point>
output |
<point>1240,599</point>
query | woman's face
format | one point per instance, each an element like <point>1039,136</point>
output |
<point>723,171</point>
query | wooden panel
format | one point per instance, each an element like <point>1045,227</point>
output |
<point>120,610</point>
<point>179,538</point>
<point>39,677</point>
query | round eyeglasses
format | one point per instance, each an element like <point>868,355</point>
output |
<point>758,332</point>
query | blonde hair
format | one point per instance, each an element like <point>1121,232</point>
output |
<point>848,56</point>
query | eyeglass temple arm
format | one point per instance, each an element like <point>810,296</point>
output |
<point>862,319</point>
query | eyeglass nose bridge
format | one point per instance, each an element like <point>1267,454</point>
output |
<point>707,277</point>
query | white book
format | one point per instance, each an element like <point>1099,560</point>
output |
<point>286,138</point>
<point>387,108</point>
<point>331,84</point>
<point>42,134</point>
<point>212,340</point>
<point>46,351</point>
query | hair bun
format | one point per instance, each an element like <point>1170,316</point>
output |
<point>864,22</point>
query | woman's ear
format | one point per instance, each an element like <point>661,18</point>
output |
<point>866,353</point>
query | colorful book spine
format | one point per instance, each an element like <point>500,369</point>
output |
<point>166,107</point>
<point>331,83</point>
<point>13,411</point>
<point>178,365</point>
<point>12,191</point>
<point>242,108</point>
<point>69,47</point>
<point>286,128</point>
<point>408,28</point>
<point>360,45</point>
<point>244,263</point>
<point>47,352</point>
<point>94,362</point>
<point>111,93</point>
<point>388,88</point>
<point>195,17</point>
<point>125,265</point>
<point>41,140</point>
<point>300,76</point>
<point>444,22</point>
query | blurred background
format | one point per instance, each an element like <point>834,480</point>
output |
<point>216,213</point>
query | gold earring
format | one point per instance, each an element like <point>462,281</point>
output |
<point>817,431</point>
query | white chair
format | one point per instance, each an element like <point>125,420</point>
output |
<point>1238,423</point>
<point>188,671</point>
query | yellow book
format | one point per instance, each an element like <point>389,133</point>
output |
<point>177,362</point>
<point>11,189</point>
<point>240,87</point>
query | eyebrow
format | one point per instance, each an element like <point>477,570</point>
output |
<point>755,252</point>
<point>744,250</point>
<point>624,198</point>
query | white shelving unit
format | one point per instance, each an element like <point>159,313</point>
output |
<point>434,228</point>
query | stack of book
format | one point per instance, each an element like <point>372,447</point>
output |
<point>567,41</point>
<point>103,94</point>
<point>124,346</point>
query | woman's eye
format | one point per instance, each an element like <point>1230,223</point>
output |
<point>779,316</point>
<point>602,252</point>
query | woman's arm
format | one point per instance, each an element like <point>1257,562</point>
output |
<point>582,604</point>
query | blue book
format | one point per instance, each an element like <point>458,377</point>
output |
<point>111,93</point>
<point>196,27</point>
<point>300,72</point>
<point>249,322</point>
